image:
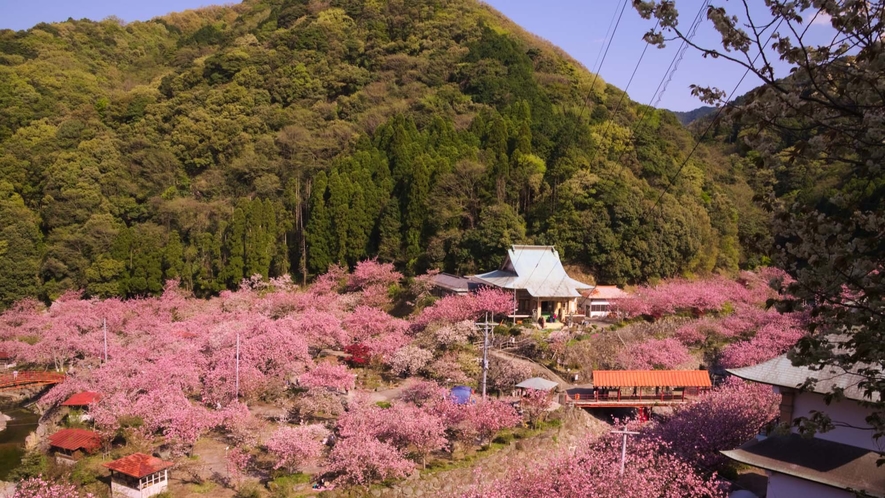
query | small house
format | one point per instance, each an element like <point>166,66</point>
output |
<point>598,301</point>
<point>539,283</point>
<point>70,445</point>
<point>838,463</point>
<point>82,401</point>
<point>138,476</point>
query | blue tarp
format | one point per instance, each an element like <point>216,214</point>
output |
<point>461,395</point>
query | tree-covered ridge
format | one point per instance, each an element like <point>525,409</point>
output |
<point>278,137</point>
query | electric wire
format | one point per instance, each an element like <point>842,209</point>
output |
<point>697,143</point>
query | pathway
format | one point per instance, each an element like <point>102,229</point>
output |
<point>536,367</point>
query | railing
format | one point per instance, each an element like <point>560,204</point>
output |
<point>608,396</point>
<point>23,379</point>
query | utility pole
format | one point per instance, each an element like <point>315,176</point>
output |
<point>485,353</point>
<point>104,328</point>
<point>238,367</point>
<point>625,432</point>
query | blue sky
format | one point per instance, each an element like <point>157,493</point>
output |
<point>578,26</point>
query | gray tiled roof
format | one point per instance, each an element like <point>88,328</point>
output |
<point>538,270</point>
<point>817,460</point>
<point>451,282</point>
<point>538,383</point>
<point>781,372</point>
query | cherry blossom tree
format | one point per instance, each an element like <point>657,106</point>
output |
<point>651,354</point>
<point>594,470</point>
<point>723,419</point>
<point>457,308</point>
<point>38,487</point>
<point>292,446</point>
<point>414,429</point>
<point>317,402</point>
<point>504,374</point>
<point>370,272</point>
<point>238,461</point>
<point>362,459</point>
<point>336,377</point>
<point>534,405</point>
<point>409,360</point>
<point>423,392</point>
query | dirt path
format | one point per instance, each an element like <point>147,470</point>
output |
<point>576,427</point>
<point>537,369</point>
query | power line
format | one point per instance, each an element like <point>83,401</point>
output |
<point>624,94</point>
<point>697,143</point>
<point>599,69</point>
<point>673,67</point>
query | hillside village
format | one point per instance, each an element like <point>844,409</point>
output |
<point>292,248</point>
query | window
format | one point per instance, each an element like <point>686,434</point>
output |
<point>603,308</point>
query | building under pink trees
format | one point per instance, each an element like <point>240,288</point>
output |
<point>534,404</point>
<point>595,470</point>
<point>721,419</point>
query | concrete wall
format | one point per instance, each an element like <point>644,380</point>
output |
<point>784,486</point>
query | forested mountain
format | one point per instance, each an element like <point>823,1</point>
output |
<point>280,136</point>
<point>688,117</point>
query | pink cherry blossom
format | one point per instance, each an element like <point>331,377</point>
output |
<point>336,377</point>
<point>292,446</point>
<point>38,487</point>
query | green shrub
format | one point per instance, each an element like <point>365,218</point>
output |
<point>248,490</point>
<point>33,463</point>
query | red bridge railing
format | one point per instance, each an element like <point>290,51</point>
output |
<point>18,380</point>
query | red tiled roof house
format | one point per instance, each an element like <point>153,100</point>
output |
<point>138,476</point>
<point>82,401</point>
<point>71,445</point>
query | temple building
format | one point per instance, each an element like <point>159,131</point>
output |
<point>539,283</point>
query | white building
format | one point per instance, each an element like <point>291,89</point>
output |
<point>138,476</point>
<point>539,283</point>
<point>833,464</point>
<point>598,301</point>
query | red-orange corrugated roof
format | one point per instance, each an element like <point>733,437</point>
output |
<point>138,465</point>
<point>75,439</point>
<point>651,378</point>
<point>82,399</point>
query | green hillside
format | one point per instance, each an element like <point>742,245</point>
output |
<point>215,144</point>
